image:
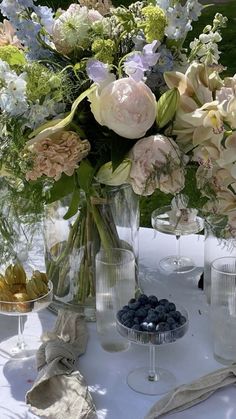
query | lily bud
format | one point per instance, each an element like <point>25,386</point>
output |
<point>114,178</point>
<point>166,106</point>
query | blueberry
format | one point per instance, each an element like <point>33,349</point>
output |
<point>170,320</point>
<point>152,299</point>
<point>176,315</point>
<point>143,299</point>
<point>132,300</point>
<point>163,301</point>
<point>173,326</point>
<point>163,327</point>
<point>128,315</point>
<point>172,307</point>
<point>160,309</point>
<point>147,306</point>
<point>136,320</point>
<point>135,305</point>
<point>141,313</point>
<point>151,327</point>
<point>182,320</point>
<point>136,327</point>
<point>161,317</point>
<point>128,323</point>
<point>120,313</point>
<point>144,326</point>
<point>151,318</point>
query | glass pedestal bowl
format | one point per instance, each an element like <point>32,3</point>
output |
<point>152,380</point>
<point>162,222</point>
<point>21,309</point>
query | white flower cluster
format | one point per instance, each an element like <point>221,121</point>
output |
<point>12,91</point>
<point>205,48</point>
<point>179,17</point>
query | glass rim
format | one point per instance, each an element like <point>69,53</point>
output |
<point>220,270</point>
<point>101,252</point>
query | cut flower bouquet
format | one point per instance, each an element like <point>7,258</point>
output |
<point>85,106</point>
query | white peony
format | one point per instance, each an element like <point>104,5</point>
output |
<point>156,164</point>
<point>125,106</point>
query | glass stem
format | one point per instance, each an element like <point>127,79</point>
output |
<point>152,373</point>
<point>20,342</point>
<point>178,251</point>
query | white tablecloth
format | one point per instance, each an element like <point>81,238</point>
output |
<point>188,358</point>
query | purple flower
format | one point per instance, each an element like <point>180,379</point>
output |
<point>97,71</point>
<point>150,57</point>
<point>138,63</point>
<point>134,67</point>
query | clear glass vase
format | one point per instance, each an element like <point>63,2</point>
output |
<point>218,243</point>
<point>109,218</point>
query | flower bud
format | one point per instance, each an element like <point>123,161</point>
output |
<point>114,178</point>
<point>166,106</point>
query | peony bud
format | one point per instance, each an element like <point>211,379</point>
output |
<point>167,106</point>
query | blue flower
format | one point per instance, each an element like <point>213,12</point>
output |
<point>166,60</point>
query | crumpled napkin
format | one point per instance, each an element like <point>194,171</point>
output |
<point>188,395</point>
<point>60,391</point>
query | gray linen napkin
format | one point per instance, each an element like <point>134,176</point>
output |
<point>59,391</point>
<point>188,395</point>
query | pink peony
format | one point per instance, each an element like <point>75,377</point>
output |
<point>61,153</point>
<point>156,163</point>
<point>125,106</point>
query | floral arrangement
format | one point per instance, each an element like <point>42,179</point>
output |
<point>82,94</point>
<point>97,96</point>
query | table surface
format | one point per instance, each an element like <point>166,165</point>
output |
<point>189,358</point>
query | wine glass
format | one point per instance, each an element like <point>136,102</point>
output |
<point>179,222</point>
<point>21,309</point>
<point>152,380</point>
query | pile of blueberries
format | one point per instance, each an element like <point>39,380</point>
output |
<point>148,314</point>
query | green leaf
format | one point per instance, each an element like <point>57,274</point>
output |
<point>74,204</point>
<point>63,187</point>
<point>85,174</point>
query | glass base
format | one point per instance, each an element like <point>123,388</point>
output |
<point>224,361</point>
<point>139,381</point>
<point>173,264</point>
<point>12,350</point>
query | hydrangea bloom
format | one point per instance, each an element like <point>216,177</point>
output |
<point>57,155</point>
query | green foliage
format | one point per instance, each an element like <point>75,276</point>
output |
<point>63,187</point>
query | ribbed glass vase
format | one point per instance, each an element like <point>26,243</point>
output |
<point>109,218</point>
<point>219,242</point>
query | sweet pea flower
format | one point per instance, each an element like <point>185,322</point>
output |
<point>125,106</point>
<point>156,163</point>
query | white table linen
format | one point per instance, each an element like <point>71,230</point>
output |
<point>189,358</point>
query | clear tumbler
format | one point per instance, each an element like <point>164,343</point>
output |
<point>223,309</point>
<point>115,286</point>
